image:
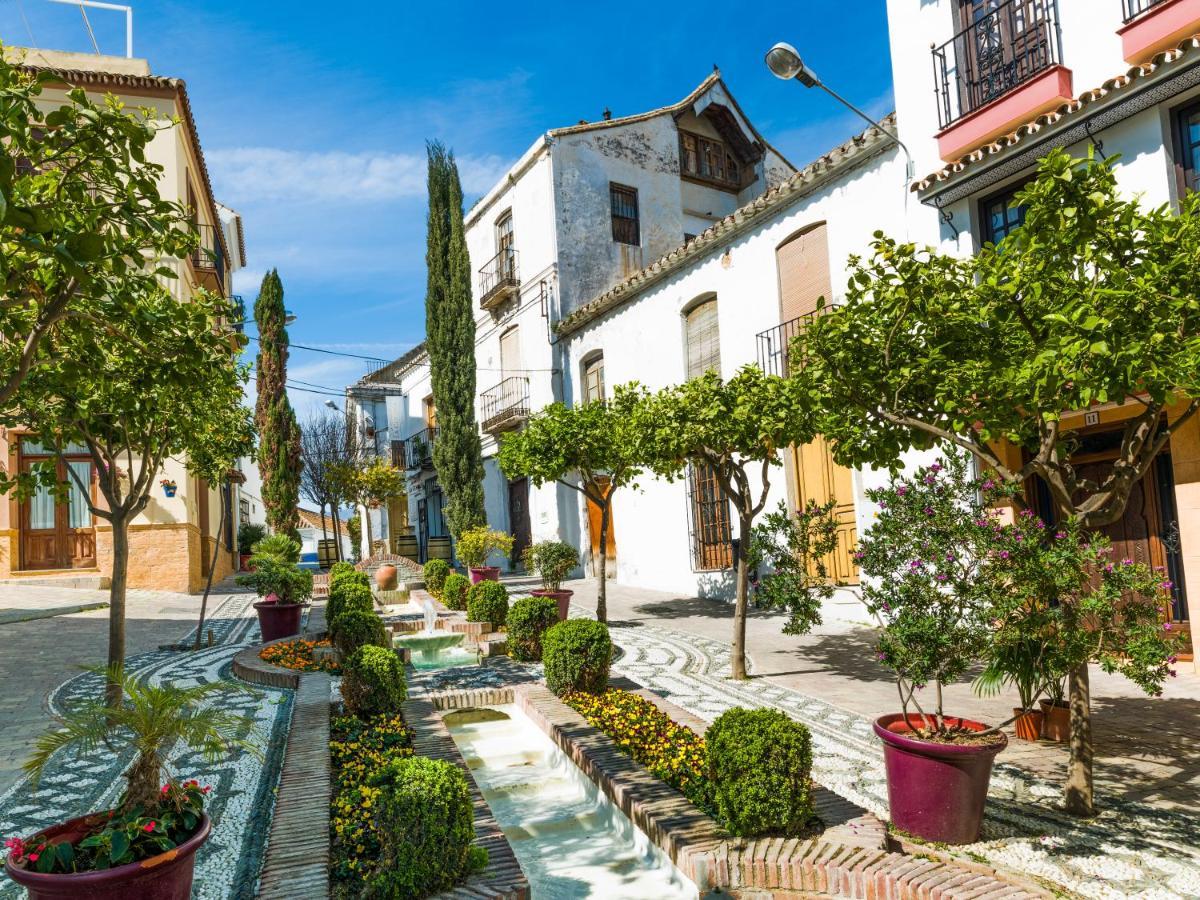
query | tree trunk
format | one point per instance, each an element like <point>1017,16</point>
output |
<point>602,590</point>
<point>1078,791</point>
<point>366,517</point>
<point>738,659</point>
<point>212,566</point>
<point>113,692</point>
<point>337,531</point>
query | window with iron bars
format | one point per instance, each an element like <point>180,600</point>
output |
<point>625,225</point>
<point>710,533</point>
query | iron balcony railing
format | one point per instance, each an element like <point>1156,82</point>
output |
<point>498,277</point>
<point>1003,48</point>
<point>774,344</point>
<point>506,405</point>
<point>418,449</point>
<point>1134,8</point>
<point>209,257</point>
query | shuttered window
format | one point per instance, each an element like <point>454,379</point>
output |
<point>593,380</point>
<point>803,263</point>
<point>703,339</point>
<point>624,203</point>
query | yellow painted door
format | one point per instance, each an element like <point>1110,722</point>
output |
<point>821,479</point>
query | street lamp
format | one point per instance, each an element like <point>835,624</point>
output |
<point>332,405</point>
<point>784,62</point>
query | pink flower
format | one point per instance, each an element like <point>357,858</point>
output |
<point>935,468</point>
<point>1060,534</point>
<point>1166,626</point>
<point>16,846</point>
<point>166,787</point>
<point>148,827</point>
<point>33,857</point>
<point>989,484</point>
<point>1004,554</point>
<point>206,789</point>
<point>902,490</point>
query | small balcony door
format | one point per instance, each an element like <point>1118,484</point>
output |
<point>505,242</point>
<point>54,534</point>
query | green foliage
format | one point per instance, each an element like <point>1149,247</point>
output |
<point>436,571</point>
<point>281,545</point>
<point>279,449</point>
<point>454,591</point>
<point>475,545</point>
<point>369,481</point>
<point>528,619</point>
<point>354,532</point>
<point>354,628</point>
<point>373,681</point>
<point>348,594</point>
<point>796,550</point>
<point>272,574</point>
<point>338,568</point>
<point>249,534</point>
<point>577,654</point>
<point>450,339</point>
<point>488,602</point>
<point>759,769</point>
<point>151,722</point>
<point>426,825</point>
<point>348,575</point>
<point>552,560</point>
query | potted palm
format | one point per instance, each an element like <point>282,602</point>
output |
<point>282,585</point>
<point>146,845</point>
<point>553,561</point>
<point>475,545</point>
<point>248,535</point>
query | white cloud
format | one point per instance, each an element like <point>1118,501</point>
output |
<point>247,174</point>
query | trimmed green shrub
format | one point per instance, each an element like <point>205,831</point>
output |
<point>759,765</point>
<point>577,654</point>
<point>426,826</point>
<point>279,545</point>
<point>248,535</point>
<point>528,620</point>
<point>488,602</point>
<point>348,595</point>
<point>454,591</point>
<point>350,576</point>
<point>339,567</point>
<point>436,571</point>
<point>373,681</point>
<point>354,628</point>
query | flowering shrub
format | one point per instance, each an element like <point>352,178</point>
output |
<point>120,837</point>
<point>357,750</point>
<point>672,752</point>
<point>298,655</point>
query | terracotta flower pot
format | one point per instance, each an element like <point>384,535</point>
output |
<point>386,577</point>
<point>167,876</point>
<point>1029,724</point>
<point>244,562</point>
<point>1056,721</point>
<point>936,791</point>
<point>562,598</point>
<point>278,620</point>
<point>484,573</point>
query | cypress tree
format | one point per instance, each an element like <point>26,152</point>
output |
<point>279,461</point>
<point>450,339</point>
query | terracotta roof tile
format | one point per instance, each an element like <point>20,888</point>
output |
<point>314,520</point>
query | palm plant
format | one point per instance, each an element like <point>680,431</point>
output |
<point>150,722</point>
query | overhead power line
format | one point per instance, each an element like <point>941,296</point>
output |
<point>377,359</point>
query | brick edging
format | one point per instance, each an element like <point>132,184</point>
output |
<point>249,666</point>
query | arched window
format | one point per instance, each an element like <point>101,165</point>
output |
<point>703,338</point>
<point>593,379</point>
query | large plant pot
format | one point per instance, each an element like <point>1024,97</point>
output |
<point>562,598</point>
<point>386,577</point>
<point>484,573</point>
<point>936,791</point>
<point>1056,721</point>
<point>167,876</point>
<point>278,620</point>
<point>244,562</point>
<point>1028,724</point>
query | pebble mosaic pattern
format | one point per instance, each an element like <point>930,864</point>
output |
<point>243,785</point>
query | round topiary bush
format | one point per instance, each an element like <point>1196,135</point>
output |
<point>436,571</point>
<point>454,591</point>
<point>426,825</point>
<point>577,654</point>
<point>759,765</point>
<point>350,576</point>
<point>348,595</point>
<point>339,567</point>
<point>373,681</point>
<point>355,628</point>
<point>488,602</point>
<point>528,619</point>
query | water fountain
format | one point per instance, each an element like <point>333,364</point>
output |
<point>433,648</point>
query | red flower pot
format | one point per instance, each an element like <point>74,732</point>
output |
<point>484,573</point>
<point>167,876</point>
<point>1028,724</point>
<point>278,620</point>
<point>1056,721</point>
<point>936,791</point>
<point>562,598</point>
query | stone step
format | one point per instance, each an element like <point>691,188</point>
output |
<point>73,580</point>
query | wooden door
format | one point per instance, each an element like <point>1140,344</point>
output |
<point>423,530</point>
<point>58,535</point>
<point>594,515</point>
<point>821,479</point>
<point>41,540</point>
<point>518,517</point>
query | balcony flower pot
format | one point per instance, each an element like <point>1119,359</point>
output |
<point>387,578</point>
<point>1028,724</point>
<point>1056,721</point>
<point>484,573</point>
<point>169,488</point>
<point>278,620</point>
<point>936,791</point>
<point>167,876</point>
<point>560,597</point>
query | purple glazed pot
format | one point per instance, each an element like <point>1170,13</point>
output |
<point>278,620</point>
<point>484,573</point>
<point>167,876</point>
<point>936,791</point>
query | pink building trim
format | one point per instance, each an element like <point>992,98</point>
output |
<point>1161,28</point>
<point>1029,100</point>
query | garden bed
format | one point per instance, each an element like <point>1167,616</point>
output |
<point>299,655</point>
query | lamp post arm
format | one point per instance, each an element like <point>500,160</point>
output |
<point>910,168</point>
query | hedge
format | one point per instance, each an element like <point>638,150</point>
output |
<point>527,622</point>
<point>348,595</point>
<point>436,571</point>
<point>488,602</point>
<point>373,681</point>
<point>455,589</point>
<point>355,628</point>
<point>577,654</point>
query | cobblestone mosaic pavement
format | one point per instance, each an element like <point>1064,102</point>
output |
<point>243,785</point>
<point>1128,851</point>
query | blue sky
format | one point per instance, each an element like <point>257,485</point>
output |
<point>314,117</point>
